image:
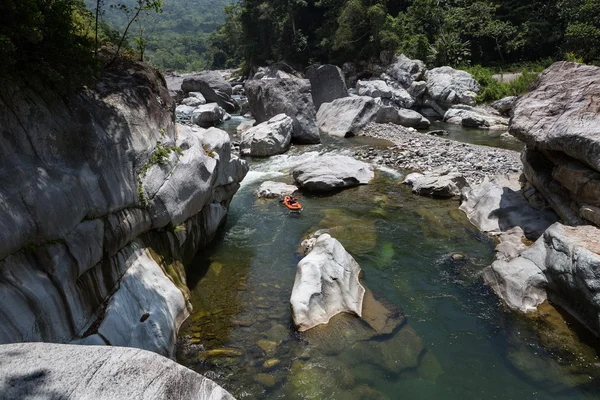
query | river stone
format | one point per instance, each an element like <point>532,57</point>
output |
<point>184,112</point>
<point>447,86</point>
<point>326,284</point>
<point>268,138</point>
<point>331,172</point>
<point>213,88</point>
<point>472,117</point>
<point>408,118</point>
<point>274,190</point>
<point>48,371</point>
<point>193,101</point>
<point>442,182</point>
<point>374,88</point>
<point>327,82</point>
<point>268,98</point>
<point>208,115</point>
<point>498,205</point>
<point>346,117</point>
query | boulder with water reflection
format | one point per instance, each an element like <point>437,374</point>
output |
<point>326,284</point>
<point>331,172</point>
<point>443,182</point>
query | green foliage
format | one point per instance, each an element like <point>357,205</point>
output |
<point>449,49</point>
<point>48,40</point>
<point>492,90</point>
<point>160,156</point>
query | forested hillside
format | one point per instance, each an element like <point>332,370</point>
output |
<point>177,38</point>
<point>450,32</point>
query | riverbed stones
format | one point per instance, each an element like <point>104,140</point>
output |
<point>332,172</point>
<point>44,370</point>
<point>213,88</point>
<point>268,138</point>
<point>274,190</point>
<point>270,97</point>
<point>346,117</point>
<point>328,83</point>
<point>326,284</point>
<point>443,182</point>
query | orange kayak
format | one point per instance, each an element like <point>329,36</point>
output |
<point>294,206</point>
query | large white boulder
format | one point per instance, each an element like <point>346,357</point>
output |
<point>448,86</point>
<point>442,182</point>
<point>472,117</point>
<point>331,172</point>
<point>51,371</point>
<point>327,283</point>
<point>213,87</point>
<point>270,97</point>
<point>374,88</point>
<point>273,190</point>
<point>208,115</point>
<point>406,71</point>
<point>268,138</point>
<point>346,117</point>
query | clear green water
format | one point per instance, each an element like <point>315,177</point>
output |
<point>477,136</point>
<point>457,341</point>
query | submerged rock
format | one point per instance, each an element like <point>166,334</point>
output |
<point>326,284</point>
<point>274,190</point>
<point>333,172</point>
<point>45,370</point>
<point>268,138</point>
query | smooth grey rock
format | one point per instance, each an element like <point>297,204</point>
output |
<point>402,98</point>
<point>497,205</point>
<point>273,190</point>
<point>326,284</point>
<point>213,87</point>
<point>406,71</point>
<point>327,82</point>
<point>331,172</point>
<point>504,105</point>
<point>374,88</point>
<point>245,125</point>
<point>268,138</point>
<point>184,112</point>
<point>268,98</point>
<point>438,183</point>
<point>408,118</point>
<point>448,86</point>
<point>52,371</point>
<point>208,115</point>
<point>346,117</point>
<point>472,117</point>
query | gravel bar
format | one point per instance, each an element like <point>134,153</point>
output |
<point>421,152</point>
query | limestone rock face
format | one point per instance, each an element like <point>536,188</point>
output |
<point>561,113</point>
<point>439,183</point>
<point>447,86</point>
<point>270,97</point>
<point>331,172</point>
<point>88,187</point>
<point>472,117</point>
<point>327,283</point>
<point>274,190</point>
<point>328,83</point>
<point>562,263</point>
<point>498,205</point>
<point>213,87</point>
<point>559,121</point>
<point>46,370</point>
<point>268,138</point>
<point>346,117</point>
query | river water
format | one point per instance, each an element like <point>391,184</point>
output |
<point>420,258</point>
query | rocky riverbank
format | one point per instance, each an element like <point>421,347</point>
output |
<point>421,152</point>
